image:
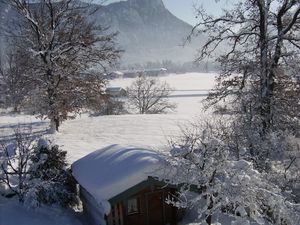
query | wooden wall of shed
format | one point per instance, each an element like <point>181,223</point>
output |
<point>116,217</point>
<point>150,211</point>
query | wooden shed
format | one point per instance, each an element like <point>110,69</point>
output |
<point>118,186</point>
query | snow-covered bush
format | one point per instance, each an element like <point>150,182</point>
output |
<point>276,153</point>
<point>50,180</point>
<point>205,161</point>
<point>36,172</point>
<point>285,163</point>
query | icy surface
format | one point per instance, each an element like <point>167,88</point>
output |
<point>108,172</point>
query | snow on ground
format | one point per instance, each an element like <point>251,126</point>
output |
<point>81,136</point>
<point>13,213</point>
<point>9,123</point>
<point>86,134</point>
<point>189,89</point>
<point>186,81</point>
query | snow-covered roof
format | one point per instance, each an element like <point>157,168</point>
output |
<point>110,171</point>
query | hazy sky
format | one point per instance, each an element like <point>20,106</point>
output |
<point>184,9</point>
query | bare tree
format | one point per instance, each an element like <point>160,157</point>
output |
<point>149,95</point>
<point>64,47</point>
<point>15,164</point>
<point>15,84</point>
<point>262,39</point>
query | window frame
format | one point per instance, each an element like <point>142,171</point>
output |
<point>136,201</point>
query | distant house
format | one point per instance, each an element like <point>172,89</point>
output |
<point>148,72</point>
<point>115,92</point>
<point>131,73</point>
<point>116,74</point>
<point>155,72</point>
<point>118,187</point>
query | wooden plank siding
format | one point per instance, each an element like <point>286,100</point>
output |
<point>116,216</point>
<point>152,208</point>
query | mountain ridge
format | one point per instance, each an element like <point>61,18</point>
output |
<point>147,31</point>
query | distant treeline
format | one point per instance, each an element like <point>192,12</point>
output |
<point>174,67</point>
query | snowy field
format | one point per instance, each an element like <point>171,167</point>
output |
<point>189,90</point>
<point>86,134</point>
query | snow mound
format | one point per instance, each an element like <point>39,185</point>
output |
<point>108,172</point>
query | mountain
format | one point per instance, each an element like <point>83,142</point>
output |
<point>147,31</point>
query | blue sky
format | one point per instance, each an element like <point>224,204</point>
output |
<point>184,9</point>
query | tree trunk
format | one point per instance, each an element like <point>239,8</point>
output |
<point>52,97</point>
<point>54,125</point>
<point>209,217</point>
<point>265,97</point>
<point>15,109</point>
<point>56,120</point>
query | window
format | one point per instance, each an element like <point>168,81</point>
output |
<point>132,206</point>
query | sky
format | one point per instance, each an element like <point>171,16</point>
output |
<point>184,9</point>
